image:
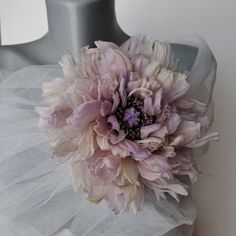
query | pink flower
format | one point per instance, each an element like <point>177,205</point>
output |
<point>109,177</point>
<point>122,117</point>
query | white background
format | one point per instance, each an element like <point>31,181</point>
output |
<point>215,192</point>
<point>22,21</point>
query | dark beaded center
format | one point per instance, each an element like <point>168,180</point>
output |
<point>131,119</point>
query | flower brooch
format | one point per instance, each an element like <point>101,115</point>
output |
<point>122,119</point>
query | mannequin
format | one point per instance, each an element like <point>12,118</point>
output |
<point>73,24</point>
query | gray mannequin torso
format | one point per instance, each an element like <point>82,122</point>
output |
<point>73,24</point>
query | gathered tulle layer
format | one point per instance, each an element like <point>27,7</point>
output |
<point>36,195</point>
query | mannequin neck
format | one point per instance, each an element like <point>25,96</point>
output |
<point>96,20</point>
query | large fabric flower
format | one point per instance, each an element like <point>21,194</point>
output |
<point>122,118</point>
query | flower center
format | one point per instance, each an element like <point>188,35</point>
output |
<point>131,119</point>
<point>131,116</point>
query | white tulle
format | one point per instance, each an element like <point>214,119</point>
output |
<point>36,197</point>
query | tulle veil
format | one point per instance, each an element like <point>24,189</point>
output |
<point>36,196</point>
